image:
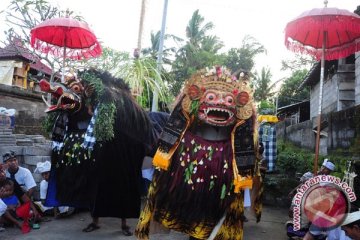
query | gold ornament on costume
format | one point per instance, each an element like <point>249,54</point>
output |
<point>223,99</point>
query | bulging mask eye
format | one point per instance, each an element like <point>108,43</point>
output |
<point>76,88</point>
<point>210,96</point>
<point>229,99</point>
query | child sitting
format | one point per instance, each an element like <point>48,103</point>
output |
<point>43,168</point>
<point>9,202</point>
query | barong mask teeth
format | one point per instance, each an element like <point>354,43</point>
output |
<point>221,99</point>
<point>68,95</point>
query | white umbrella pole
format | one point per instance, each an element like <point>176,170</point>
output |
<point>322,70</point>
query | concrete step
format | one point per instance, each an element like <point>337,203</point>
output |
<point>5,131</point>
<point>20,136</point>
<point>24,142</point>
<point>33,160</point>
<point>37,150</point>
<point>6,137</point>
<point>17,149</point>
<point>7,144</point>
<point>39,139</point>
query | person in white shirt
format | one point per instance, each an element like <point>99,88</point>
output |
<point>351,225</point>
<point>21,175</point>
<point>43,168</point>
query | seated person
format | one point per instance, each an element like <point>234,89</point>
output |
<point>43,168</point>
<point>304,221</point>
<point>13,188</point>
<point>327,168</point>
<point>11,203</point>
<point>21,175</point>
<point>3,207</point>
<point>351,225</point>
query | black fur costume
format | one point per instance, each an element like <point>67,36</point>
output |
<point>106,176</point>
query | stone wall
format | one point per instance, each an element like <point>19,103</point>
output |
<point>341,131</point>
<point>29,108</point>
<point>342,128</point>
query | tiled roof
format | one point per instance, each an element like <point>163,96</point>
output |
<point>16,50</point>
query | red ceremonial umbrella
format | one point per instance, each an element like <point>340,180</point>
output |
<point>326,34</point>
<point>65,37</point>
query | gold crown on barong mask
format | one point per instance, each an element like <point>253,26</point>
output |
<point>219,79</point>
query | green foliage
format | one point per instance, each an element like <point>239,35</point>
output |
<point>96,83</point>
<point>340,157</point>
<point>277,188</point>
<point>263,86</point>
<point>48,123</point>
<point>289,92</point>
<point>197,29</point>
<point>144,78</point>
<point>292,160</point>
<point>243,58</point>
<point>153,50</point>
<point>266,107</point>
<point>23,15</point>
<point>104,124</point>
<point>199,51</point>
<point>110,60</point>
<point>355,145</point>
<point>299,62</point>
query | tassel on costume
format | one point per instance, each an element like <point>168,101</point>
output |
<point>258,189</point>
<point>162,159</point>
<point>143,227</point>
<point>232,227</point>
<point>242,183</point>
<point>172,135</point>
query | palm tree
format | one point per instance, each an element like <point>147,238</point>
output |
<point>263,86</point>
<point>195,32</point>
<point>153,50</point>
<point>144,78</point>
<point>199,51</point>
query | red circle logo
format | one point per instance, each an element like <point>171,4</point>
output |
<point>325,206</point>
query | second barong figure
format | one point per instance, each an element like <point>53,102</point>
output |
<point>207,156</point>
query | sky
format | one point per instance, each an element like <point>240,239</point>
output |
<point>116,22</point>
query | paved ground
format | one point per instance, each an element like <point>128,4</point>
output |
<point>271,227</point>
